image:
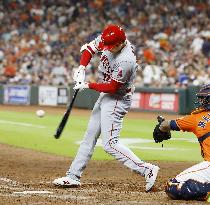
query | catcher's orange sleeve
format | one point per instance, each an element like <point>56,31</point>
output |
<point>186,123</point>
<point>199,124</point>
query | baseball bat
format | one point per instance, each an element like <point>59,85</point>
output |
<point>64,120</point>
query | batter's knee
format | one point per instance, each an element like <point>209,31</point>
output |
<point>189,190</point>
<point>109,146</point>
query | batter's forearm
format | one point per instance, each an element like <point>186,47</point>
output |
<point>111,87</point>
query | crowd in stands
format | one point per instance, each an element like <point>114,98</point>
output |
<point>40,40</point>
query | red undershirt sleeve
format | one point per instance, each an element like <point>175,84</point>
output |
<point>85,58</point>
<point>111,87</point>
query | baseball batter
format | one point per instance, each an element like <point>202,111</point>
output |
<point>194,182</point>
<point>117,71</point>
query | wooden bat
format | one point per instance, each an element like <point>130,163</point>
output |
<point>65,116</point>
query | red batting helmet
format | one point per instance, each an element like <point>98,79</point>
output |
<point>111,36</point>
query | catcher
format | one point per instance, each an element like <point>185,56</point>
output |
<point>194,182</point>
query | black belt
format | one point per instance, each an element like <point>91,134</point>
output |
<point>201,139</point>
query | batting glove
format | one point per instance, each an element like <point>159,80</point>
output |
<point>81,86</point>
<point>79,75</point>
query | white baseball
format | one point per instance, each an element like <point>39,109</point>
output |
<point>40,113</point>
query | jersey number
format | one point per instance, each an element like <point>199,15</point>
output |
<point>106,77</point>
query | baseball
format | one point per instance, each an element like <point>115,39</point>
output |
<point>40,113</point>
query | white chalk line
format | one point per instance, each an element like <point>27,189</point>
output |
<point>132,143</point>
<point>21,124</point>
<point>9,181</point>
<point>68,196</point>
<point>159,148</point>
<point>11,185</point>
<point>32,192</point>
<point>73,195</point>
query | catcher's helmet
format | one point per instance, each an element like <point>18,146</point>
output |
<point>204,97</point>
<point>111,36</point>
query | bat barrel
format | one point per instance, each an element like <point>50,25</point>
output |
<point>65,117</point>
<point>57,134</point>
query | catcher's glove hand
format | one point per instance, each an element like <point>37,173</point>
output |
<point>158,135</point>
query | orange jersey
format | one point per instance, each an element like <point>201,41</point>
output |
<point>199,124</point>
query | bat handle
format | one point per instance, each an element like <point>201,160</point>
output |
<point>75,93</point>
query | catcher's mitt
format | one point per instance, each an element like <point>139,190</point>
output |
<point>158,135</point>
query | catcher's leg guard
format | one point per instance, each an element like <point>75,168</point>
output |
<point>189,190</point>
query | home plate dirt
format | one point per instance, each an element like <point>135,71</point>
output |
<point>26,178</point>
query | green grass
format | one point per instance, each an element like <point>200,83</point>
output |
<point>14,132</point>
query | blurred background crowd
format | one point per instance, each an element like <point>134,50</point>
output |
<point>40,40</point>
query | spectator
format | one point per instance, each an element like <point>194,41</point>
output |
<point>10,71</point>
<point>206,44</point>
<point>59,74</point>
<point>38,33</point>
<point>152,75</point>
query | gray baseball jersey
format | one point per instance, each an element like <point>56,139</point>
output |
<point>120,67</point>
<point>107,115</point>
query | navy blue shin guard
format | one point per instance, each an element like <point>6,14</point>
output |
<point>189,190</point>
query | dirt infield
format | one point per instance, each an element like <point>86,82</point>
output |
<point>102,183</point>
<point>26,176</point>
